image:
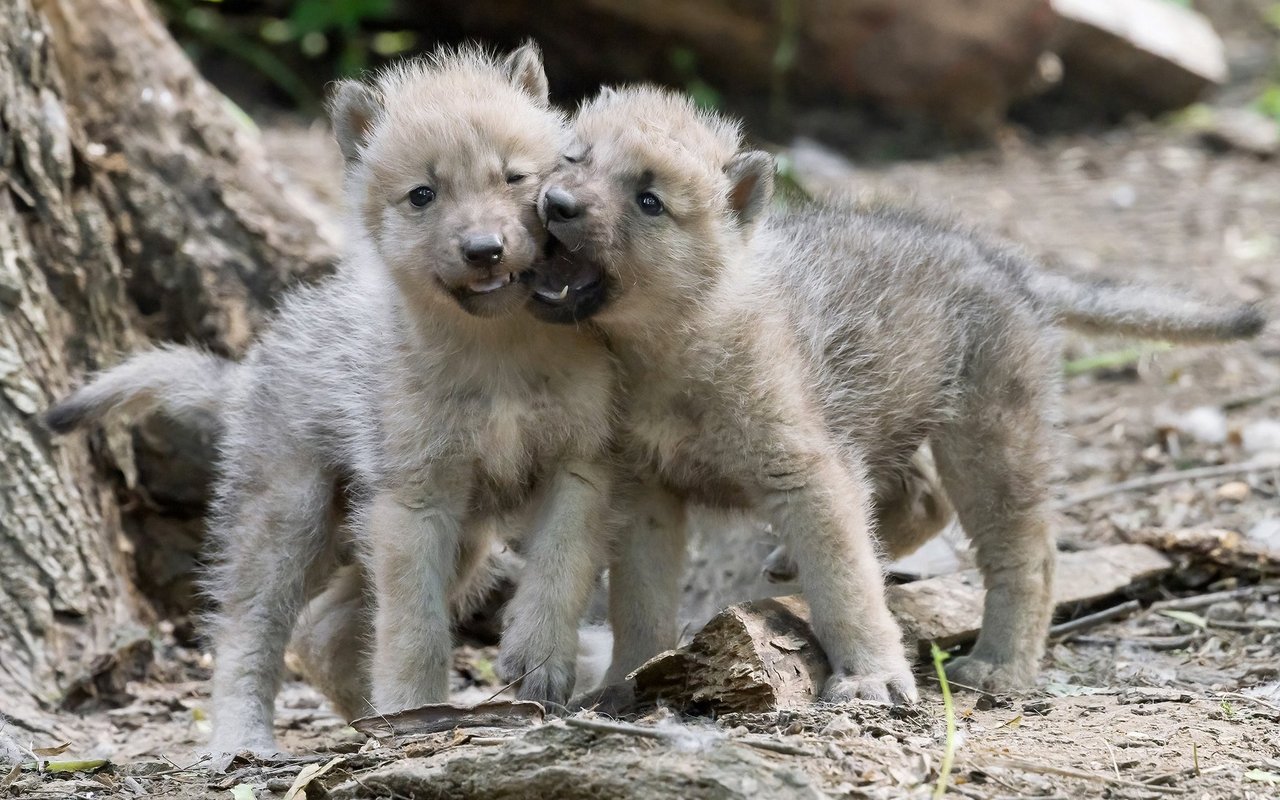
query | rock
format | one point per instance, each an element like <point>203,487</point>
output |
<point>1262,436</point>
<point>1267,533</point>
<point>1149,54</point>
<point>1243,129</point>
<point>1233,492</point>
<point>1206,424</point>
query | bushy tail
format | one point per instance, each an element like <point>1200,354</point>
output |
<point>1142,310</point>
<point>1132,309</point>
<point>181,381</point>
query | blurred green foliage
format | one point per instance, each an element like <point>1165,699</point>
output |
<point>1269,101</point>
<point>291,43</point>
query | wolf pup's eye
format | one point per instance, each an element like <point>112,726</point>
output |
<point>516,177</point>
<point>421,195</point>
<point>649,203</point>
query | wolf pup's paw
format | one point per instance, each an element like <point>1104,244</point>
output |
<point>542,678</point>
<point>975,672</point>
<point>895,688</point>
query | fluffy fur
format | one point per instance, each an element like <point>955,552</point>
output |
<point>411,390</point>
<point>793,363</point>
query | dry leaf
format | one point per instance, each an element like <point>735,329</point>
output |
<point>56,750</point>
<point>76,765</point>
<point>1188,617</point>
<point>298,791</point>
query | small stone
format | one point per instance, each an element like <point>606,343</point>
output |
<point>1233,492</point>
<point>1225,611</point>
<point>1262,436</point>
<point>1205,424</point>
<point>1243,129</point>
<point>841,726</point>
<point>1266,533</point>
<point>1040,707</point>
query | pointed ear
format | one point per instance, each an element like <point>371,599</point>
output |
<point>750,184</point>
<point>353,107</point>
<point>525,71</point>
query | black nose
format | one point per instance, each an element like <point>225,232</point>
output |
<point>483,249</point>
<point>561,206</point>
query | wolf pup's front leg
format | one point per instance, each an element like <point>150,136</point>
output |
<point>564,555</point>
<point>414,552</point>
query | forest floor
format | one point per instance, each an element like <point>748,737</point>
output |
<point>1149,706</point>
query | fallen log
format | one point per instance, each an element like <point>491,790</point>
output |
<point>763,656</point>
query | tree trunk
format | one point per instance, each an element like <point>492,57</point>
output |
<point>136,204</point>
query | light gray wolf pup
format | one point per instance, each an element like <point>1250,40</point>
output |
<point>411,389</point>
<point>792,363</point>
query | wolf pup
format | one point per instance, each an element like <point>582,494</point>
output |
<point>793,362</point>
<point>412,390</point>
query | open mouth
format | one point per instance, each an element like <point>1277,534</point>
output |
<point>493,284</point>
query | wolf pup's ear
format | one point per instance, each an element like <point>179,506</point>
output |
<point>525,71</point>
<point>352,107</point>
<point>750,184</point>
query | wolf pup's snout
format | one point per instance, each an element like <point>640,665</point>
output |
<point>560,206</point>
<point>484,249</point>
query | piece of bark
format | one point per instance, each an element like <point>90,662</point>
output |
<point>763,656</point>
<point>1152,54</point>
<point>1226,549</point>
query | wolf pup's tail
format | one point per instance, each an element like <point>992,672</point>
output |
<point>183,382</point>
<point>1142,310</point>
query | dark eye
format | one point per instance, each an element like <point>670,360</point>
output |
<point>573,158</point>
<point>649,203</point>
<point>421,195</point>
<point>516,177</point>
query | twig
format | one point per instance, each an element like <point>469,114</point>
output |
<point>526,674</point>
<point>1202,600</point>
<point>1248,697</point>
<point>1163,478</point>
<point>1095,619</point>
<point>1115,766</point>
<point>627,729</point>
<point>1250,398</point>
<point>775,746</point>
<point>1246,626</point>
<point>1067,772</point>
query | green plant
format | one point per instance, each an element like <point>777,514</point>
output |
<point>949,749</point>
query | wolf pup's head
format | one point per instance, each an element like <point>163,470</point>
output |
<point>651,200</point>
<point>445,156</point>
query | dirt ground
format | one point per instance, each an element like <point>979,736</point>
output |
<point>1149,706</point>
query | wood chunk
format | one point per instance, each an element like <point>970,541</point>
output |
<point>754,656</point>
<point>763,656</point>
<point>1150,53</point>
<point>1227,549</point>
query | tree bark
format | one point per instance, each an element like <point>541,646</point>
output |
<point>135,204</point>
